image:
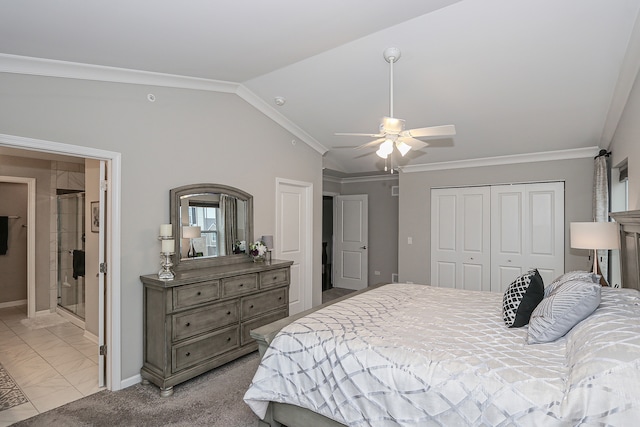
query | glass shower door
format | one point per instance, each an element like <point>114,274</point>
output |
<point>71,288</point>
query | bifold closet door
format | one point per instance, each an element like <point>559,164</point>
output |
<point>460,238</point>
<point>527,231</point>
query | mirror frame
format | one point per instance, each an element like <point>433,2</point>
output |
<point>174,206</point>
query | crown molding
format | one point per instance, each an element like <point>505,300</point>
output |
<point>371,178</point>
<point>72,70</point>
<point>543,156</point>
<point>258,103</point>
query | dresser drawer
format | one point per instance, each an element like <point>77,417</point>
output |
<point>246,327</point>
<point>194,352</point>
<point>266,301</point>
<point>198,293</point>
<point>237,285</point>
<point>199,320</point>
<point>274,278</point>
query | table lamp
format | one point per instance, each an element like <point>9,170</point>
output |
<point>595,236</point>
<point>191,232</point>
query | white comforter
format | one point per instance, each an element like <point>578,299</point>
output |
<point>406,354</point>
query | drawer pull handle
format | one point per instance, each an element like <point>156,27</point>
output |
<point>199,293</point>
<point>188,354</point>
<point>251,306</point>
<point>279,298</point>
<point>228,313</point>
<point>241,284</point>
<point>228,339</point>
<point>188,324</point>
<point>275,277</point>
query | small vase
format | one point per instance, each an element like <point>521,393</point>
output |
<point>258,258</point>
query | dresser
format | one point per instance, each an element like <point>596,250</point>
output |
<point>202,318</point>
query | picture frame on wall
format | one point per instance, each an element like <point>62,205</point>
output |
<point>95,217</point>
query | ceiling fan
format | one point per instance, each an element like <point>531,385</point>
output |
<point>391,132</point>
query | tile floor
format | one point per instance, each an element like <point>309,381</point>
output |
<point>52,366</point>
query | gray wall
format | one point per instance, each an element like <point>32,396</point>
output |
<point>415,205</point>
<point>626,144</point>
<point>186,136</point>
<point>13,264</point>
<point>41,171</point>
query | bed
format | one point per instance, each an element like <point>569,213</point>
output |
<point>406,354</point>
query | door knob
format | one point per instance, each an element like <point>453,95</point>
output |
<point>363,247</point>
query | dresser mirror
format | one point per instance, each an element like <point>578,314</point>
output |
<point>212,225</point>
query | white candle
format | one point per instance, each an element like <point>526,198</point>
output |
<point>166,230</point>
<point>168,246</point>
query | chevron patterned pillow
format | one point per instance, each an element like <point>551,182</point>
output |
<point>585,276</point>
<point>564,308</point>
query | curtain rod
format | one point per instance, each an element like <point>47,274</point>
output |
<point>603,152</point>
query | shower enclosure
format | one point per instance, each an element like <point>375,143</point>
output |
<point>71,238</point>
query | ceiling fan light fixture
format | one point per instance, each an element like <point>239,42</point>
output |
<point>402,147</point>
<point>392,125</point>
<point>385,149</point>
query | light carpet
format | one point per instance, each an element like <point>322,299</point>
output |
<point>211,399</point>
<point>10,393</point>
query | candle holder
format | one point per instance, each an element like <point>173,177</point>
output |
<point>166,272</point>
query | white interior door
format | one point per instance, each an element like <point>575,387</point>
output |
<point>351,228</point>
<point>460,238</point>
<point>101,273</point>
<point>293,239</point>
<point>527,226</point>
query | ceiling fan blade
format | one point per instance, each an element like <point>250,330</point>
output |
<point>445,130</point>
<point>370,135</point>
<point>370,144</point>
<point>415,144</point>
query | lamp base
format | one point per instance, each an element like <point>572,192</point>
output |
<point>597,270</point>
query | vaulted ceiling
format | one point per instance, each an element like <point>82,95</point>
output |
<point>513,76</point>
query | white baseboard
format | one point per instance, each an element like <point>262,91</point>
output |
<point>128,382</point>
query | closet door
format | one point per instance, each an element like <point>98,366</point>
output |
<point>527,231</point>
<point>460,238</point>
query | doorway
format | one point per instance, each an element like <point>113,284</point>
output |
<point>294,235</point>
<point>327,242</point>
<point>111,331</point>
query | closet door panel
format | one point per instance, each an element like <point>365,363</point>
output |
<point>507,237</point>
<point>460,244</point>
<point>545,234</point>
<point>446,274</point>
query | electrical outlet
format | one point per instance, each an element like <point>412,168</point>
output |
<point>377,273</point>
<point>409,240</point>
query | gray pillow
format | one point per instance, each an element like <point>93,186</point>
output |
<point>585,276</point>
<point>564,308</point>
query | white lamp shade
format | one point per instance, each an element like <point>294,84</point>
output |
<point>594,235</point>
<point>190,231</point>
<point>268,241</point>
<point>402,147</point>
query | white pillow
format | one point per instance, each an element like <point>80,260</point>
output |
<point>564,308</point>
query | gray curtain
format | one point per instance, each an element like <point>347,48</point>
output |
<point>228,233</point>
<point>601,202</point>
